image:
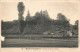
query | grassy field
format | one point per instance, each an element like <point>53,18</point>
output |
<point>39,41</point>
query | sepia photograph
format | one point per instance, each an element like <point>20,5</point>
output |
<point>40,24</point>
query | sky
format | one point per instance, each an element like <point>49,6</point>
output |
<point>71,10</point>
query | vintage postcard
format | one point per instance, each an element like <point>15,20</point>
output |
<point>40,25</point>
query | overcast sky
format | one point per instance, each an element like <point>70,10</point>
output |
<point>70,9</point>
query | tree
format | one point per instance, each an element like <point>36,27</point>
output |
<point>28,16</point>
<point>61,17</point>
<point>76,22</point>
<point>20,18</point>
<point>46,15</point>
<point>76,25</point>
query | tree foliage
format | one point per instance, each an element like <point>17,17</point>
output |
<point>21,10</point>
<point>61,17</point>
<point>76,22</point>
<point>21,19</point>
<point>28,16</point>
